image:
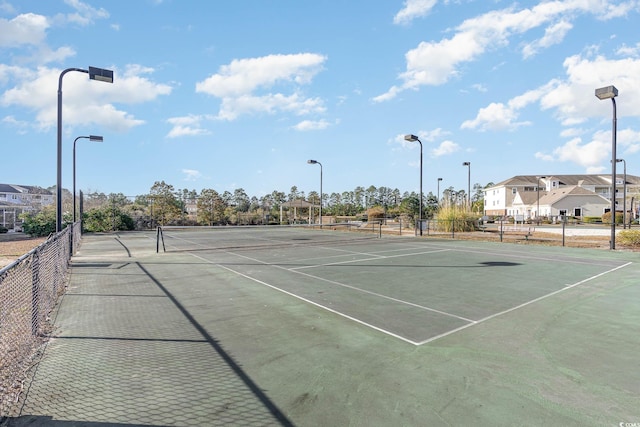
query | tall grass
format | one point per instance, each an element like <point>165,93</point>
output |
<point>455,218</point>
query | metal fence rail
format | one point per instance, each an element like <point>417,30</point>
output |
<point>29,289</point>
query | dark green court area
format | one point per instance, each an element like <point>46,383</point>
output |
<point>313,328</point>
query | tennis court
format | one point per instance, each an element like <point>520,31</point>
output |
<point>307,327</point>
<point>416,291</point>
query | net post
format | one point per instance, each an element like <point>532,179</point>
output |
<point>160,236</point>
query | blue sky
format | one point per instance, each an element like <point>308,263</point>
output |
<point>240,94</point>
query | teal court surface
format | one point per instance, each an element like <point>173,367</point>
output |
<point>256,327</point>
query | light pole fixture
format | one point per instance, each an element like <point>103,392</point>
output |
<point>92,138</point>
<point>439,179</point>
<point>624,194</point>
<point>99,74</point>
<point>315,162</point>
<point>413,138</point>
<point>610,92</point>
<point>468,164</point>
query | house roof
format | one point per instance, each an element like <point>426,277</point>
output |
<point>554,196</point>
<point>22,189</point>
<point>597,180</point>
<point>530,197</point>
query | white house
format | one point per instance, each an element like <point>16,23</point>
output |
<point>15,199</point>
<point>530,196</point>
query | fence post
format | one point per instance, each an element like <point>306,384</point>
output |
<point>35,284</point>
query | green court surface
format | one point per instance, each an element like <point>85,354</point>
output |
<point>317,329</point>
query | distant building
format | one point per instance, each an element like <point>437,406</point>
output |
<point>529,196</point>
<point>16,199</point>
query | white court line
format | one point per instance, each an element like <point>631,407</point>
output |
<point>523,304</point>
<point>417,343</point>
<point>411,304</point>
<point>324,307</point>
<point>369,259</point>
<point>524,256</point>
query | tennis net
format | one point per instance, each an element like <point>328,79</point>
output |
<point>193,238</point>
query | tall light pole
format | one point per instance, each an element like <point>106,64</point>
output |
<point>99,74</point>
<point>439,179</point>
<point>315,162</point>
<point>538,189</point>
<point>468,164</point>
<point>93,138</point>
<point>624,194</point>
<point>610,92</point>
<point>413,138</point>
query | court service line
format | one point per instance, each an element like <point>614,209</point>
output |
<point>324,307</point>
<point>524,304</point>
<point>364,291</point>
<point>524,256</point>
<point>378,257</point>
<point>378,254</point>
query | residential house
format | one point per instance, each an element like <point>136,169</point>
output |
<point>529,196</point>
<point>16,199</point>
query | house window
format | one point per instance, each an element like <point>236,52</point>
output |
<point>514,191</point>
<point>577,212</point>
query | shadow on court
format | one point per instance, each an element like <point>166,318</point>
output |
<point>305,336</point>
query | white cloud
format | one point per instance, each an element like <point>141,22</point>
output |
<point>436,62</point>
<point>233,107</point>
<point>625,50</point>
<point>554,34</point>
<point>26,29</point>
<point>187,126</point>
<point>243,76</point>
<point>307,125</point>
<point>495,116</point>
<point>85,14</point>
<point>236,85</point>
<point>445,147</point>
<point>413,9</point>
<point>479,87</point>
<point>84,101</point>
<point>594,155</point>
<point>571,98</point>
<point>191,174</point>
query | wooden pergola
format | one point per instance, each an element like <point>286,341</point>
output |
<point>298,204</point>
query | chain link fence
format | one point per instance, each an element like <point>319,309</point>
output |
<point>29,290</point>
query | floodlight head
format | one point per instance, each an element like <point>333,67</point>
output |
<point>101,74</point>
<point>606,92</point>
<point>95,138</point>
<point>466,164</point>
<point>439,179</point>
<point>619,160</point>
<point>312,162</point>
<point>411,138</point>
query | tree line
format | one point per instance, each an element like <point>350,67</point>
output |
<point>165,205</point>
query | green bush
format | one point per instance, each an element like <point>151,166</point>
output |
<point>629,238</point>
<point>40,224</point>
<point>108,218</point>
<point>606,218</point>
<point>592,219</point>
